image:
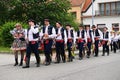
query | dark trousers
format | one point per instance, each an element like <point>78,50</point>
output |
<point>96,47</point>
<point>105,48</point>
<point>89,48</point>
<point>81,47</point>
<point>69,48</point>
<point>48,50</point>
<point>111,46</point>
<point>115,46</point>
<point>60,52</point>
<point>32,48</point>
<point>119,43</point>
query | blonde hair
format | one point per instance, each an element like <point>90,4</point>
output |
<point>18,25</point>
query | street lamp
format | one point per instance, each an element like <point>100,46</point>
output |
<point>92,13</point>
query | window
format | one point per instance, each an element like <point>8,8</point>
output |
<point>115,26</point>
<point>111,8</point>
<point>101,26</point>
<point>74,14</point>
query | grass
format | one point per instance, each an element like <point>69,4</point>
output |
<point>5,50</point>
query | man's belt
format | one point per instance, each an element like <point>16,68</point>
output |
<point>89,39</point>
<point>96,38</point>
<point>104,41</point>
<point>80,40</point>
<point>32,42</point>
<point>60,41</point>
<point>70,40</point>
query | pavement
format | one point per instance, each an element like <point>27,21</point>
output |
<point>94,68</point>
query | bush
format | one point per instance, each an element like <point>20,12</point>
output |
<point>6,38</point>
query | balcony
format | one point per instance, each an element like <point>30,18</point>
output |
<point>107,13</point>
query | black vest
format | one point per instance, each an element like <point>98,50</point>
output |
<point>106,35</point>
<point>62,32</point>
<point>71,33</point>
<point>97,33</point>
<point>34,35</point>
<point>82,33</point>
<point>49,29</point>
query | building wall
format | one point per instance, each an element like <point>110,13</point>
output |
<point>77,9</point>
<point>107,20</point>
<point>96,6</point>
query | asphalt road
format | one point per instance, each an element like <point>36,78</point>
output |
<point>100,68</point>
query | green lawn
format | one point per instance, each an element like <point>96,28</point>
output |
<point>5,49</point>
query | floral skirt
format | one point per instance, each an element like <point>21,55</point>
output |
<point>18,45</point>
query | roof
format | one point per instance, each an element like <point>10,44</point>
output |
<point>76,2</point>
<point>86,5</point>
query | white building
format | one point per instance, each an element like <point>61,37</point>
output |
<point>106,13</point>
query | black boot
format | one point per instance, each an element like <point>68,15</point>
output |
<point>27,63</point>
<point>38,62</point>
<point>16,62</point>
<point>21,62</point>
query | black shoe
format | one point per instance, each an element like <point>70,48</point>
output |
<point>47,63</point>
<point>96,56</point>
<point>80,58</point>
<point>21,64</point>
<point>25,66</point>
<point>57,62</point>
<point>64,61</point>
<point>103,54</point>
<point>15,64</point>
<point>88,56</point>
<point>38,65</point>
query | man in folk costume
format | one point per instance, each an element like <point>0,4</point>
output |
<point>32,35</point>
<point>70,41</point>
<point>81,40</point>
<point>106,41</point>
<point>47,33</point>
<point>90,40</point>
<point>97,36</point>
<point>61,39</point>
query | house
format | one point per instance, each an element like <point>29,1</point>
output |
<point>106,13</point>
<point>76,9</point>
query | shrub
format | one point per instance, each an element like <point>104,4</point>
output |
<point>6,38</point>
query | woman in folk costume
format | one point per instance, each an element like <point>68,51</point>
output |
<point>19,43</point>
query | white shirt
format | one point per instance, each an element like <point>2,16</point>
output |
<point>100,33</point>
<point>80,35</point>
<point>115,38</point>
<point>69,35</point>
<point>109,37</point>
<point>60,36</point>
<point>88,35</point>
<point>29,34</point>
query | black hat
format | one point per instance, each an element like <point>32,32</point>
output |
<point>47,20</point>
<point>87,25</point>
<point>68,25</point>
<point>105,27</point>
<point>31,20</point>
<point>59,23</point>
<point>81,25</point>
<point>93,26</point>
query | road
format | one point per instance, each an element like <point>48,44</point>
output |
<point>95,68</point>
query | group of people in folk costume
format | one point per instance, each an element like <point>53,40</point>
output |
<point>29,40</point>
